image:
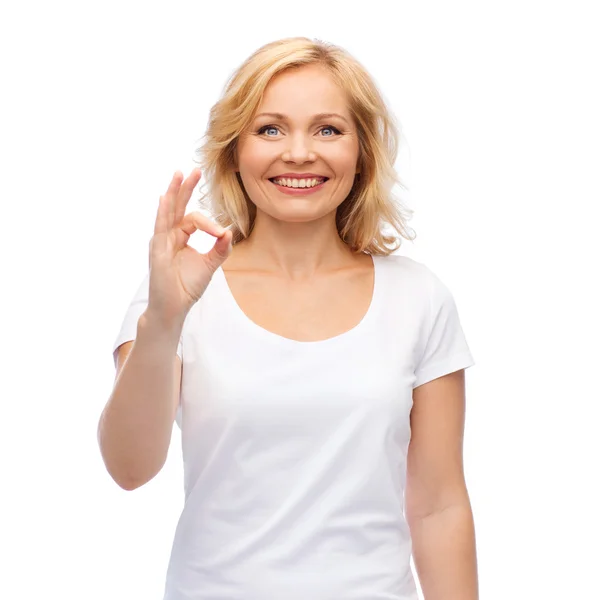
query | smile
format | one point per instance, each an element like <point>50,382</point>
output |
<point>301,187</point>
<point>298,183</point>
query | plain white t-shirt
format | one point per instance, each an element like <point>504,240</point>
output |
<point>295,452</point>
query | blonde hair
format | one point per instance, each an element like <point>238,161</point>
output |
<point>370,203</point>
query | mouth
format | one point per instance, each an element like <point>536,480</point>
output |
<point>299,185</point>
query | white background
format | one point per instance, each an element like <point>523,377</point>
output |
<point>102,101</point>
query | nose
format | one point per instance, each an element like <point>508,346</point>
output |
<point>298,150</point>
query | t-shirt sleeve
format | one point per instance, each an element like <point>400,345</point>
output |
<point>446,349</point>
<point>136,308</point>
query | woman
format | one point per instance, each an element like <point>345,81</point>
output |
<point>317,377</point>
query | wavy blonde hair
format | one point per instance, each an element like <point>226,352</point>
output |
<point>370,203</point>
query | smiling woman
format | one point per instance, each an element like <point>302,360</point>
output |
<point>312,356</point>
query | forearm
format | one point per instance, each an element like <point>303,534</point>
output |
<point>444,553</point>
<point>135,427</point>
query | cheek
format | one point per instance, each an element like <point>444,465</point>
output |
<point>254,158</point>
<point>342,156</point>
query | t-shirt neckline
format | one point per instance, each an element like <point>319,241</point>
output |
<point>240,316</point>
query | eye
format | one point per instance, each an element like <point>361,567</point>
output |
<point>336,131</point>
<point>266,128</point>
<point>263,129</point>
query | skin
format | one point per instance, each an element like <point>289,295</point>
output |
<point>295,237</point>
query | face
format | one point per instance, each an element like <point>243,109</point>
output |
<point>278,147</point>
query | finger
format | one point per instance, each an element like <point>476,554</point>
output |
<point>161,219</point>
<point>196,220</point>
<point>185,194</point>
<point>158,242</point>
<point>171,195</point>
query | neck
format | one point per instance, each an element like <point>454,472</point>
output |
<point>296,251</point>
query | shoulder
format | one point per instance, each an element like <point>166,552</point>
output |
<point>421,287</point>
<point>404,270</point>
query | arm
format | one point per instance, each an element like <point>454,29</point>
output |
<point>437,504</point>
<point>135,428</point>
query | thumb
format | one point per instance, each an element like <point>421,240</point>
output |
<point>221,250</point>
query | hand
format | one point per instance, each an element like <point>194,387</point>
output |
<point>179,274</point>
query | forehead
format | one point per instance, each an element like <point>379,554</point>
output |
<point>304,90</point>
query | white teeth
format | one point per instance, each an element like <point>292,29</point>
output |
<point>298,183</point>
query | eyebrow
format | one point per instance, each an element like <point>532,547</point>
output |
<point>317,117</point>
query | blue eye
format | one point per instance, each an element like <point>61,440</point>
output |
<point>263,129</point>
<point>336,131</point>
<point>267,127</point>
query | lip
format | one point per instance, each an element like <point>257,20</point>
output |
<point>298,176</point>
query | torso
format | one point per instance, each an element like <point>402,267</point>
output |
<point>325,307</point>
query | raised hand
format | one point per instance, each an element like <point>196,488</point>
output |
<point>179,274</point>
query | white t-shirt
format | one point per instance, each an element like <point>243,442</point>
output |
<point>295,452</point>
